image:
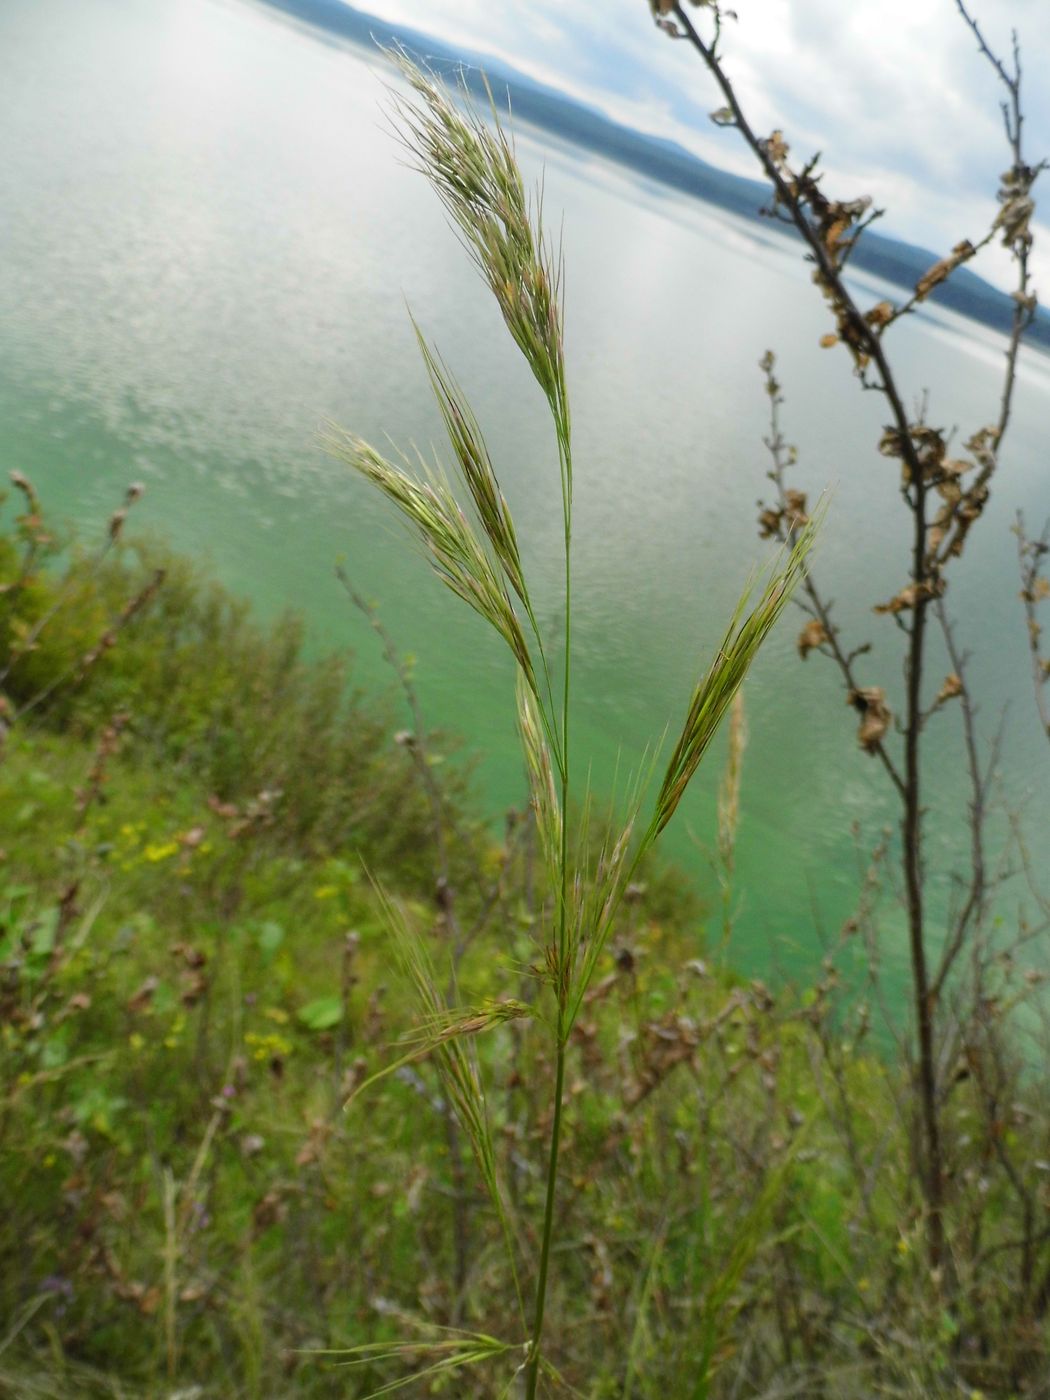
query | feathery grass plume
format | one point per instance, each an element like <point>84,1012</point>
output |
<point>441,1034</point>
<point>452,1354</point>
<point>542,787</point>
<point>596,900</point>
<point>491,506</point>
<point>458,1070</point>
<point>598,885</point>
<point>714,694</point>
<point>456,554</point>
<point>476,466</point>
<point>439,1027</point>
<point>472,168</point>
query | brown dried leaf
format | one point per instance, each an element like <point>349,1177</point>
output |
<point>875,714</point>
<point>192,986</point>
<point>269,1210</point>
<point>140,999</point>
<point>777,147</point>
<point>891,444</point>
<point>149,1301</point>
<point>1013,218</point>
<point>904,600</point>
<point>952,687</point>
<point>834,233</point>
<point>909,596</point>
<point>795,508</point>
<point>813,635</point>
<point>192,957</point>
<point>881,314</point>
<point>942,270</point>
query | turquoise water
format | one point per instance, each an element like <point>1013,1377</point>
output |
<point>208,241</point>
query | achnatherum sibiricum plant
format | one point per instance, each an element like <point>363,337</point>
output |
<point>471,165</point>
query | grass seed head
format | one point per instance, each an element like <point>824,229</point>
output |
<point>472,168</point>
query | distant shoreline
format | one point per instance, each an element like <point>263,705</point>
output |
<point>894,261</point>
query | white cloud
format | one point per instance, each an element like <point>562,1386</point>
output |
<point>893,92</point>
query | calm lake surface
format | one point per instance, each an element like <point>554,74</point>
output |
<point>207,244</point>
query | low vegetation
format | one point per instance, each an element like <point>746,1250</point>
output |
<point>197,973</point>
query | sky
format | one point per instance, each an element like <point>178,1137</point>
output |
<point>893,92</point>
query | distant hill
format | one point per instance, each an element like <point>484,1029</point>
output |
<point>901,264</point>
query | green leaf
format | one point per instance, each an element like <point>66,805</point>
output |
<point>271,936</point>
<point>54,1053</point>
<point>322,1014</point>
<point>44,929</point>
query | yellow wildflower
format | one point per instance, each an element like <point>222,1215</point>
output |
<point>162,851</point>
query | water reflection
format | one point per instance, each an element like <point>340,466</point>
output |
<point>209,243</point>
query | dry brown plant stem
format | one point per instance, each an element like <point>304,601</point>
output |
<point>912,818</point>
<point>822,225</point>
<point>1032,554</point>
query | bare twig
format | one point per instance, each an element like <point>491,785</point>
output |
<point>791,508</point>
<point>830,230</point>
<point>974,908</point>
<point>1035,588</point>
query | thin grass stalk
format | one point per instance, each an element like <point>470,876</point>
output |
<point>729,815</point>
<point>561,971</point>
<point>170,1261</point>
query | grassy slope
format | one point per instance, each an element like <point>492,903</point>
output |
<point>194,974</point>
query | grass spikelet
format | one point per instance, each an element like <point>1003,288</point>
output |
<point>542,786</point>
<point>715,692</point>
<point>443,1356</point>
<point>472,168</point>
<point>443,1025</point>
<point>457,1069</point>
<point>597,901</point>
<point>456,554</point>
<point>442,1030</point>
<point>476,468</point>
